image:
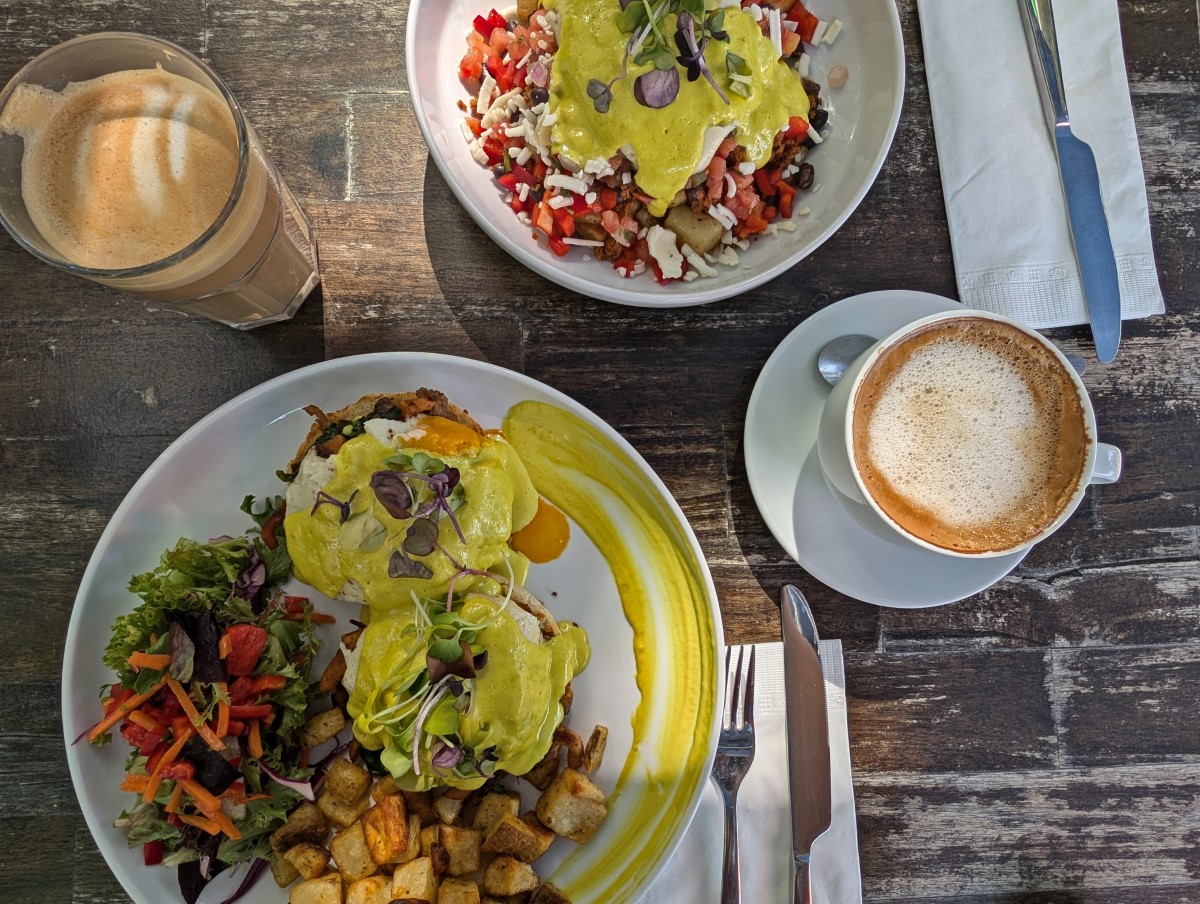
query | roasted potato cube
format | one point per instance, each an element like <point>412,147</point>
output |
<point>384,786</point>
<point>306,823</point>
<point>350,638</point>
<point>309,859</point>
<point>526,839</point>
<point>325,890</point>
<point>494,807</point>
<point>340,813</point>
<point>462,846</point>
<point>458,891</point>
<point>548,894</point>
<point>429,837</point>
<point>385,827</point>
<point>371,890</point>
<point>416,880</point>
<point>447,809</point>
<point>332,676</point>
<point>593,754</point>
<point>508,876</point>
<point>347,781</point>
<point>282,871</point>
<point>572,806</point>
<point>541,775</point>
<point>698,230</point>
<point>419,802</point>
<point>413,850</point>
<point>320,728</point>
<point>350,853</point>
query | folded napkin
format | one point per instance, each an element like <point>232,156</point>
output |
<point>764,818</point>
<point>1008,220</point>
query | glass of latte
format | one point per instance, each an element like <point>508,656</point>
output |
<point>125,160</point>
<point>964,433</point>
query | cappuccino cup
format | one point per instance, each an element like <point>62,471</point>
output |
<point>964,433</point>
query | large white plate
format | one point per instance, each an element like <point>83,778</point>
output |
<point>863,121</point>
<point>194,490</point>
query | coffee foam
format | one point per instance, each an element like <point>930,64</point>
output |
<point>124,169</point>
<point>970,435</point>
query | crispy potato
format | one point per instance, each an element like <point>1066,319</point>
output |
<point>495,806</point>
<point>698,230</point>
<point>371,890</point>
<point>508,876</point>
<point>419,802</point>
<point>332,676</point>
<point>572,806</point>
<point>462,845</point>
<point>309,859</point>
<point>541,775</point>
<point>447,809</point>
<point>413,850</point>
<point>326,890</point>
<point>282,871</point>
<point>548,894</point>
<point>350,853</point>
<point>350,638</point>
<point>342,814</point>
<point>385,827</point>
<point>429,837</point>
<point>523,838</point>
<point>347,781</point>
<point>441,859</point>
<point>416,881</point>
<point>458,891</point>
<point>306,823</point>
<point>384,786</point>
<point>320,728</point>
<point>593,753</point>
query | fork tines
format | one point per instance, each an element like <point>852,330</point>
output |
<point>739,700</point>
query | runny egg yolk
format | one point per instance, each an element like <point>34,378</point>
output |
<point>545,537</point>
<point>441,436</point>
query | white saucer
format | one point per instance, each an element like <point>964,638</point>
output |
<point>818,527</point>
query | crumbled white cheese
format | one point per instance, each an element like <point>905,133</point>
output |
<point>787,226</point>
<point>662,247</point>
<point>804,211</point>
<point>728,257</point>
<point>478,153</point>
<point>746,168</point>
<point>815,136</point>
<point>523,156</point>
<point>590,197</point>
<point>831,33</point>
<point>690,275</point>
<point>570,183</point>
<point>561,201</point>
<point>626,178</point>
<point>723,215</point>
<point>586,243</point>
<point>730,186</point>
<point>756,11</point>
<point>484,102</point>
<point>775,30</point>
<point>803,64</point>
<point>697,262</point>
<point>523,191</point>
<point>466,130</point>
<point>819,32</point>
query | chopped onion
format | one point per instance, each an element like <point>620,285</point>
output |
<point>303,788</point>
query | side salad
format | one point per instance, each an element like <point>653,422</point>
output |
<point>212,681</point>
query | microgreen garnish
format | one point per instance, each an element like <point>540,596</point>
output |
<point>695,28</point>
<point>324,498</point>
<point>401,566</point>
<point>738,71</point>
<point>393,494</point>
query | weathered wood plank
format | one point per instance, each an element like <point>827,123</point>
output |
<point>38,861</point>
<point>33,763</point>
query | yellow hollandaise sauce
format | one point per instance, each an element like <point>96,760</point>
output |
<point>515,699</point>
<point>497,494</point>
<point>665,599</point>
<point>668,143</point>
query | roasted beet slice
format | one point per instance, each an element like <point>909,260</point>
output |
<point>213,771</point>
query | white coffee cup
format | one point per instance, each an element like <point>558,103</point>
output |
<point>836,446</point>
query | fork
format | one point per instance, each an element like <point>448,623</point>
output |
<point>735,753</point>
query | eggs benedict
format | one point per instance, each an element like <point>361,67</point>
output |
<point>404,494</point>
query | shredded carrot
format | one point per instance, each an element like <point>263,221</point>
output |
<point>135,783</point>
<point>221,818</point>
<point>137,717</point>
<point>320,618</point>
<point>120,712</point>
<point>256,747</point>
<point>222,719</point>
<point>139,660</point>
<point>205,825</point>
<point>249,798</point>
<point>208,804</point>
<point>167,759</point>
<point>225,645</point>
<point>189,709</point>
<point>176,800</point>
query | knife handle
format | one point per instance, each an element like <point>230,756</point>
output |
<point>803,889</point>
<point>1038,16</point>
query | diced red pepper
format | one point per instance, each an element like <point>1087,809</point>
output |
<point>521,174</point>
<point>564,220</point>
<point>247,643</point>
<point>579,204</point>
<point>787,195</point>
<point>755,224</point>
<point>508,180</point>
<point>475,125</point>
<point>236,728</point>
<point>496,20</point>
<point>797,128</point>
<point>260,711</point>
<point>116,696</point>
<point>152,853</point>
<point>494,150</point>
<point>177,771</point>
<point>762,178</point>
<point>483,26</point>
<point>558,246</point>
<point>806,21</point>
<point>769,213</point>
<point>608,198</point>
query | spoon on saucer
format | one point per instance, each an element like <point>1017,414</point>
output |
<point>838,354</point>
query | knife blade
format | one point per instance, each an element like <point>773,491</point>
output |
<point>807,735</point>
<point>1081,185</point>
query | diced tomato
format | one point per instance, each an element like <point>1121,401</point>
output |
<point>806,21</point>
<point>558,246</point>
<point>152,853</point>
<point>247,643</point>
<point>608,198</point>
<point>755,224</point>
<point>516,204</point>
<point>797,128</point>
<point>499,39</point>
<point>178,771</point>
<point>116,696</point>
<point>471,67</point>
<point>236,729</point>
<point>475,125</point>
<point>769,213</point>
<point>790,41</point>
<point>787,195</point>
<point>152,761</point>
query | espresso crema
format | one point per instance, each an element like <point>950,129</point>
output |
<point>125,169</point>
<point>970,435</point>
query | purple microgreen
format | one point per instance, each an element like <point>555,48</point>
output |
<point>421,537</point>
<point>656,88</point>
<point>401,566</point>
<point>445,756</point>
<point>303,788</point>
<point>481,659</point>
<point>250,582</point>
<point>257,868</point>
<point>449,657</point>
<point>393,493</point>
<point>183,653</point>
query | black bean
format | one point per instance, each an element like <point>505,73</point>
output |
<point>539,96</point>
<point>804,179</point>
<point>818,118</point>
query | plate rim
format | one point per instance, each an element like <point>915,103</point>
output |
<point>95,821</point>
<point>543,263</point>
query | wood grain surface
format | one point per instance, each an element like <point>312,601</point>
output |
<point>1038,742</point>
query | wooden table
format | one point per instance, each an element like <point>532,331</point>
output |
<point>1038,742</point>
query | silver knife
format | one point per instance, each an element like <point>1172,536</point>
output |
<point>808,735</point>
<point>1081,185</point>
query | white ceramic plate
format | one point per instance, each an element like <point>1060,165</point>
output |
<point>863,120</point>
<point>194,490</point>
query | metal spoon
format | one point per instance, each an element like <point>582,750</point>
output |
<point>840,353</point>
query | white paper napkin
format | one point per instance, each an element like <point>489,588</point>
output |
<point>1008,222</point>
<point>764,822</point>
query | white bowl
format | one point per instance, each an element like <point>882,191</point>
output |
<point>863,120</point>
